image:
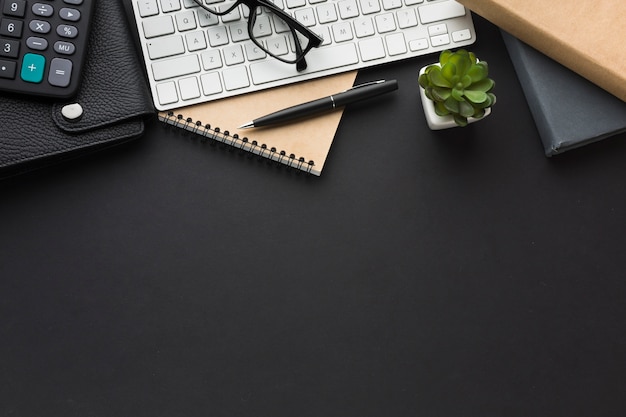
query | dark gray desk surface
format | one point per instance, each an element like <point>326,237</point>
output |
<point>459,273</point>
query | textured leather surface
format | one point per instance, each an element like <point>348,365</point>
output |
<point>114,97</point>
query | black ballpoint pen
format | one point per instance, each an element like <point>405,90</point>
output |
<point>356,93</point>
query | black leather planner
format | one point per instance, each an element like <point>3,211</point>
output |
<point>109,109</point>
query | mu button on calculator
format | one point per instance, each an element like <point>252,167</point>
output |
<point>43,45</point>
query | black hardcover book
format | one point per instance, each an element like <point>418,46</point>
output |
<point>110,108</point>
<point>569,110</point>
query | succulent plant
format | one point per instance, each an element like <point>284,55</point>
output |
<point>459,86</point>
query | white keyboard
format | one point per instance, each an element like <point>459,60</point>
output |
<point>192,56</point>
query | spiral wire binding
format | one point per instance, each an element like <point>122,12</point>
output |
<point>215,133</point>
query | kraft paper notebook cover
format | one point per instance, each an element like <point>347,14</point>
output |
<point>569,110</point>
<point>585,36</point>
<point>303,144</point>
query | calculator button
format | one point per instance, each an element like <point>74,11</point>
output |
<point>7,69</point>
<point>9,48</point>
<point>14,8</point>
<point>67,31</point>
<point>60,72</point>
<point>71,15</point>
<point>64,48</point>
<point>39,26</point>
<point>33,67</point>
<point>37,44</point>
<point>41,9</point>
<point>12,28</point>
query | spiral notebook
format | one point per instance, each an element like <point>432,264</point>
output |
<point>303,144</point>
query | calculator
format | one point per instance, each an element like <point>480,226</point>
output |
<point>43,44</point>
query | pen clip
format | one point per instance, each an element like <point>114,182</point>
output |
<point>365,85</point>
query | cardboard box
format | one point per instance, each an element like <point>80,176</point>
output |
<point>587,37</point>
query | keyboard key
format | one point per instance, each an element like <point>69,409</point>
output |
<point>396,44</point>
<point>385,23</point>
<point>392,4</point>
<point>211,84</point>
<point>372,49</point>
<point>331,57</point>
<point>461,35</point>
<point>158,26</point>
<point>195,41</point>
<point>406,18</point>
<point>176,67</point>
<point>369,6</point>
<point>439,29</point>
<point>147,8</point>
<point>348,9</point>
<point>440,11</point>
<point>185,21</point>
<point>189,88</point>
<point>418,44</point>
<point>211,59</point>
<point>364,27</point>
<point>236,78</point>
<point>342,32</point>
<point>166,93</point>
<point>326,13</point>
<point>440,40</point>
<point>233,55</point>
<point>164,47</point>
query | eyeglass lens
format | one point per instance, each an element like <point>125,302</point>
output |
<point>270,33</point>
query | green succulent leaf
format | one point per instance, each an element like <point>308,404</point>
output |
<point>448,71</point>
<point>440,93</point>
<point>483,85</point>
<point>476,96</point>
<point>478,72</point>
<point>457,94</point>
<point>441,109</point>
<point>461,61</point>
<point>452,105</point>
<point>460,120</point>
<point>437,78</point>
<point>422,80</point>
<point>466,81</point>
<point>466,109</point>
<point>444,56</point>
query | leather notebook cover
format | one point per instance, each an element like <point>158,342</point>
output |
<point>569,110</point>
<point>113,95</point>
<point>585,36</point>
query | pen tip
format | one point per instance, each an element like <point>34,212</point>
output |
<point>246,125</point>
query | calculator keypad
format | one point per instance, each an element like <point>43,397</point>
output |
<point>43,45</point>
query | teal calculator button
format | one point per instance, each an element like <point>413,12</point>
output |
<point>33,67</point>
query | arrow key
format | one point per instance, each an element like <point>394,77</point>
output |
<point>68,14</point>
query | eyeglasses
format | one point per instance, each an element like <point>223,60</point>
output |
<point>290,40</point>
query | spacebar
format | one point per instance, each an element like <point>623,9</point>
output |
<point>319,59</point>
